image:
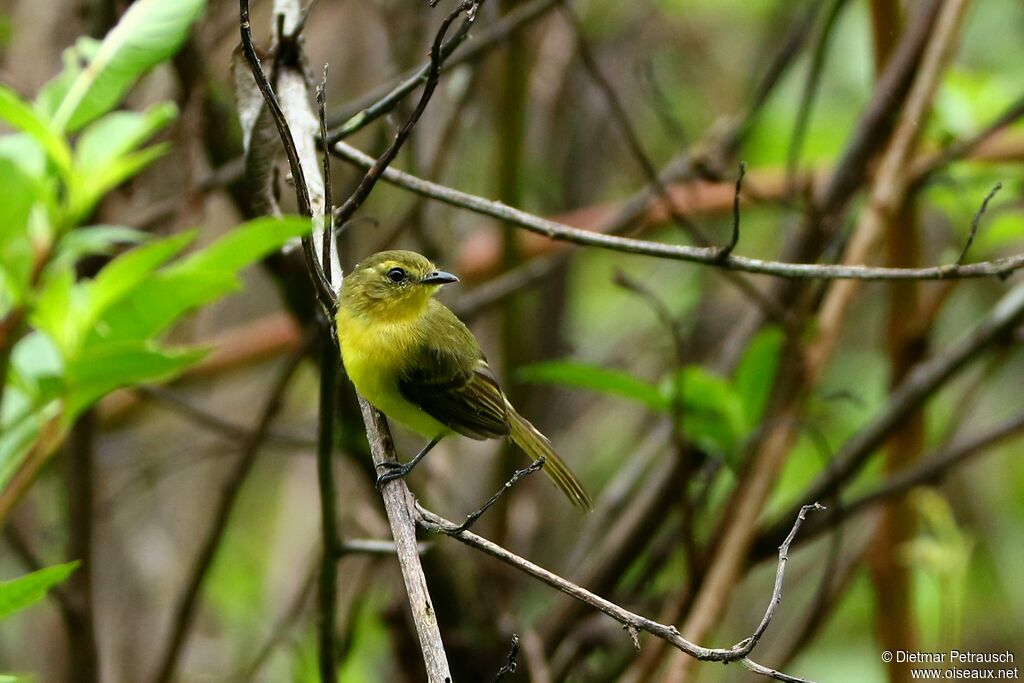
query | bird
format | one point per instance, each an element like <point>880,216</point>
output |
<point>413,359</point>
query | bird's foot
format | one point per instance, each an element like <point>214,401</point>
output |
<point>396,470</point>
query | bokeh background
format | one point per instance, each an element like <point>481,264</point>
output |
<point>581,346</point>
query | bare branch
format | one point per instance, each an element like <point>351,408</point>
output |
<point>704,255</point>
<point>974,222</point>
<point>630,620</point>
<point>908,396</point>
<point>376,168</point>
<point>925,471</point>
<point>510,663</point>
<point>366,109</point>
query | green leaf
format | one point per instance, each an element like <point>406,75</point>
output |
<point>247,243</point>
<point>712,411</point>
<point>75,59</point>
<point>148,33</point>
<point>118,133</point>
<point>105,155</point>
<point>595,378</point>
<point>88,188</point>
<point>55,312</point>
<point>755,373</point>
<point>198,279</point>
<point>101,368</point>
<point>20,115</point>
<point>27,590</point>
<point>18,196</point>
<point>127,272</point>
<point>96,239</point>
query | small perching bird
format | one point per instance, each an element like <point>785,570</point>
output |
<point>416,362</point>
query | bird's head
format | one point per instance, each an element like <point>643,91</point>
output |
<point>393,285</point>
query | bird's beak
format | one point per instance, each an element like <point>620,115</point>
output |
<point>438,277</point>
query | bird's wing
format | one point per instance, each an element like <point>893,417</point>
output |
<point>455,389</point>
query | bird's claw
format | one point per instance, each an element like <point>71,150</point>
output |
<point>397,471</point>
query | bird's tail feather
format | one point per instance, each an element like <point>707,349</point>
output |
<point>536,445</point>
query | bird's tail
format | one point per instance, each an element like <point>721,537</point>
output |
<point>536,445</point>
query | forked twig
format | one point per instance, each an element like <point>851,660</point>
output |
<point>631,621</point>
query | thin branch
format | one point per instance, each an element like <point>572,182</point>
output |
<point>376,168</point>
<point>633,622</point>
<point>974,222</point>
<point>511,664</point>
<point>325,250</point>
<point>327,593</point>
<point>383,100</point>
<point>735,237</point>
<point>372,546</point>
<point>705,255</point>
<point>83,657</point>
<point>636,148</point>
<point>909,395</point>
<point>519,474</point>
<point>184,612</point>
<point>925,471</point>
<point>819,53</point>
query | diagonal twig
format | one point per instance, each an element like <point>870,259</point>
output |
<point>633,622</point>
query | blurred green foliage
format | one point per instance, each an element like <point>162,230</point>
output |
<point>72,341</point>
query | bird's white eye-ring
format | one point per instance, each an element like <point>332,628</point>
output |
<point>396,275</point>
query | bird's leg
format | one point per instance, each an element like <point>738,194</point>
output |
<point>398,470</point>
<point>519,474</point>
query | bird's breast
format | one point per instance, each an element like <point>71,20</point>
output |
<point>374,353</point>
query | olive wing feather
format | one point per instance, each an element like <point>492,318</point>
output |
<point>456,389</point>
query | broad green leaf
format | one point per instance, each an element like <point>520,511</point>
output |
<point>712,410</point>
<point>17,198</point>
<point>595,378</point>
<point>755,374</point>
<point>105,155</point>
<point>128,271</point>
<point>246,244</point>
<point>75,59</point>
<point>198,279</point>
<point>148,33</point>
<point>21,116</point>
<point>35,361</point>
<point>17,195</point>
<point>88,188</point>
<point>118,133</point>
<point>159,302</point>
<point>101,368</point>
<point>26,153</point>
<point>55,312</point>
<point>96,240</point>
<point>27,590</point>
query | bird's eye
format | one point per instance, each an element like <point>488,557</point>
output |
<point>396,274</point>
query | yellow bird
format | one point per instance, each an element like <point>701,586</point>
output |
<point>416,362</point>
